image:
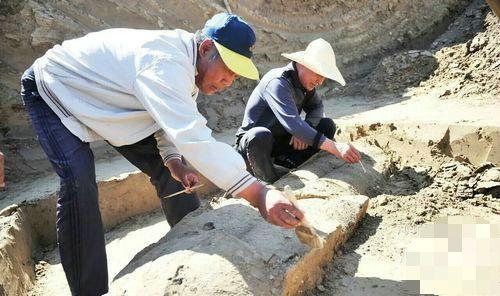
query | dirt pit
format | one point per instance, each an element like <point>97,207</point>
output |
<point>423,120</point>
<point>404,195</point>
<point>371,263</point>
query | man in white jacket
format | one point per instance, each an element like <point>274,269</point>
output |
<point>136,89</point>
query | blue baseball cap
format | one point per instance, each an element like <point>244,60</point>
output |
<point>233,38</point>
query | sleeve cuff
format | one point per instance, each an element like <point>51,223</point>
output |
<point>318,140</point>
<point>172,156</point>
<point>241,184</point>
<point>167,150</point>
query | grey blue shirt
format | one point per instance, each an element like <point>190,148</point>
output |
<point>276,104</point>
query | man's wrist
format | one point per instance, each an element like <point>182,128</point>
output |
<point>255,194</point>
<point>329,146</point>
<point>261,200</point>
<point>173,163</point>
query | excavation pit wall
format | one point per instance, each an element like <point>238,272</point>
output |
<point>31,225</point>
<point>323,185</point>
<point>428,144</point>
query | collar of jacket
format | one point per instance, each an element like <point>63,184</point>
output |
<point>292,74</point>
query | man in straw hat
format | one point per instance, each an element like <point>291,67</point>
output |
<point>136,89</point>
<point>272,127</point>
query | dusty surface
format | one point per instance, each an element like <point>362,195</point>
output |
<point>433,182</point>
<point>16,246</point>
<point>290,266</point>
<point>135,234</point>
<point>371,262</point>
<point>424,119</point>
<point>462,62</point>
<point>29,27</point>
<point>250,266</point>
<point>228,236</point>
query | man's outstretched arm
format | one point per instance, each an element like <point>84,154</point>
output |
<point>164,93</point>
<point>273,205</point>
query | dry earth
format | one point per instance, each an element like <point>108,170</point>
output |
<point>461,66</point>
<point>29,27</point>
<point>427,109</point>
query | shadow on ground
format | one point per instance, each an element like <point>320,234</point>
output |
<point>324,173</point>
<point>208,238</point>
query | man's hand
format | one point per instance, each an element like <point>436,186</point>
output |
<point>273,205</point>
<point>182,173</point>
<point>297,143</point>
<point>2,174</point>
<point>348,153</point>
<point>342,150</point>
<point>278,210</point>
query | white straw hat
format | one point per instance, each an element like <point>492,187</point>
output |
<point>319,58</point>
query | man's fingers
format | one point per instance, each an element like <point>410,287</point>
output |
<point>185,183</point>
<point>286,216</point>
<point>351,158</point>
<point>295,212</point>
<point>190,180</point>
<point>287,220</point>
<point>348,158</point>
<point>357,157</point>
<point>357,153</point>
<point>299,145</point>
<point>354,153</point>
<point>280,217</point>
<point>284,219</point>
<point>278,210</point>
<point>193,179</point>
<point>275,219</point>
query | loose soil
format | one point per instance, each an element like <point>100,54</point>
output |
<point>452,82</point>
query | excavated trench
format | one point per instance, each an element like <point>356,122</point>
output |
<point>416,166</point>
<point>411,178</point>
<point>443,184</point>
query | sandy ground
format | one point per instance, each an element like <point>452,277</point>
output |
<point>413,109</point>
<point>122,244</point>
<point>371,262</point>
<point>415,194</point>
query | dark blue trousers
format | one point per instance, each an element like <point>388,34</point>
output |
<point>80,234</point>
<point>261,148</point>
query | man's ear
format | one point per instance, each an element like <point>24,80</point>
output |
<point>205,47</point>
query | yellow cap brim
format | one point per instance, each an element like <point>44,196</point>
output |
<point>238,63</point>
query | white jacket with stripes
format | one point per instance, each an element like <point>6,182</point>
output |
<point>123,85</point>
